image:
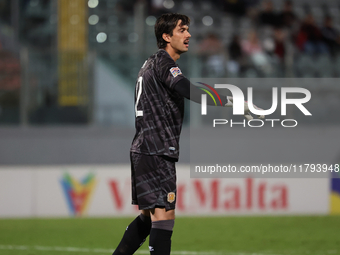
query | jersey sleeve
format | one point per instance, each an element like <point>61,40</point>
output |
<point>169,72</point>
<point>188,90</point>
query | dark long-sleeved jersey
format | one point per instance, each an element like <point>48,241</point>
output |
<point>159,109</point>
<point>159,105</point>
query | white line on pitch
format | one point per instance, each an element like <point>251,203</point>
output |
<point>108,251</point>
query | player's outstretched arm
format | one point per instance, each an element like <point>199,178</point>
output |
<point>185,88</point>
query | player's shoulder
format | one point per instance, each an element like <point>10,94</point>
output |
<point>148,64</point>
<point>159,59</point>
<point>165,63</point>
<point>163,56</point>
<point>158,63</point>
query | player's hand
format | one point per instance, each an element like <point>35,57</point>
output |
<point>246,108</point>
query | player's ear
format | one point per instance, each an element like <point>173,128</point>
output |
<point>166,37</point>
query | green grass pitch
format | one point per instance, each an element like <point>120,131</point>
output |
<point>298,235</point>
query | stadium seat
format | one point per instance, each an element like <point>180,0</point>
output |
<point>305,66</point>
<point>323,66</point>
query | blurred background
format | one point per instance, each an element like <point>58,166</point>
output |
<point>68,70</point>
<point>75,62</point>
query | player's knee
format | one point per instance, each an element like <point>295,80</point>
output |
<point>169,215</point>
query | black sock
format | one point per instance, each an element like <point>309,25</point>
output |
<point>160,241</point>
<point>134,236</point>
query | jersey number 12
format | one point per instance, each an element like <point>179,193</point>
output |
<point>139,88</point>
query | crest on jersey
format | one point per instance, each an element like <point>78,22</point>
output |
<point>175,71</point>
<point>171,197</point>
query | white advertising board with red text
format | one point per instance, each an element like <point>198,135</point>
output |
<point>63,191</point>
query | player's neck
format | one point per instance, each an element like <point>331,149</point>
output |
<point>173,54</point>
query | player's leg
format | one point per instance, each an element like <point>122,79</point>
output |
<point>160,235</point>
<point>135,234</point>
<point>153,189</point>
<point>163,216</point>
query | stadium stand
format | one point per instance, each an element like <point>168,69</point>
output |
<point>121,34</point>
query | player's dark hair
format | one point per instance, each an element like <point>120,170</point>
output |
<point>166,24</point>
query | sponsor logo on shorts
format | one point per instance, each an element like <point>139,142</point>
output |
<point>172,148</point>
<point>171,197</point>
<point>175,71</point>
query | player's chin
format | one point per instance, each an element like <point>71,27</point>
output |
<point>182,50</point>
<point>185,49</point>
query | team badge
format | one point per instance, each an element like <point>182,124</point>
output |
<point>175,71</point>
<point>171,197</point>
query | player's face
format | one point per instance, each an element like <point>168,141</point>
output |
<point>179,40</point>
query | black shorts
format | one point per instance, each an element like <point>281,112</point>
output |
<point>153,181</point>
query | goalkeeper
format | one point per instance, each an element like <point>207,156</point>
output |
<point>159,110</point>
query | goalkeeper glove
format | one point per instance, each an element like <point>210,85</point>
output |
<point>246,108</point>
